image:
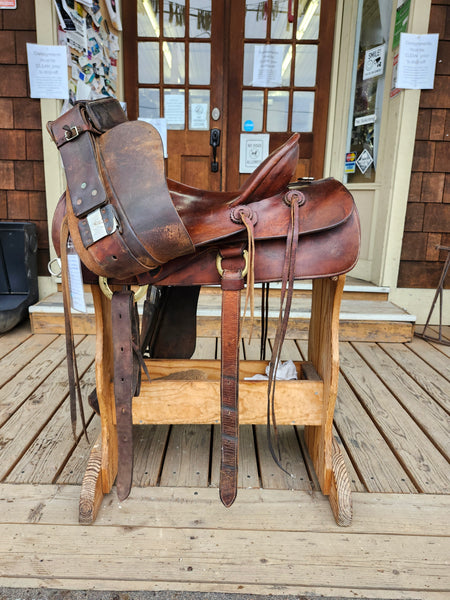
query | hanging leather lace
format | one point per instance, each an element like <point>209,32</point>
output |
<point>294,199</point>
<point>245,215</point>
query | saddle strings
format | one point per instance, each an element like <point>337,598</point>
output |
<point>250,288</point>
<point>287,288</point>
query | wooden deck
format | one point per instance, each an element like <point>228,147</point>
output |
<point>279,537</point>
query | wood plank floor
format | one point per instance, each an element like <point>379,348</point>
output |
<point>392,422</point>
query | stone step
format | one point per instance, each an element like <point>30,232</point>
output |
<point>361,319</point>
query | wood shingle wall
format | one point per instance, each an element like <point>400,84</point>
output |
<point>22,187</point>
<point>428,212</point>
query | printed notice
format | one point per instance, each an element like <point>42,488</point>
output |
<point>160,125</point>
<point>174,109</point>
<point>267,64</point>
<point>417,61</point>
<point>76,283</point>
<point>47,68</point>
<point>199,116</point>
<point>254,148</point>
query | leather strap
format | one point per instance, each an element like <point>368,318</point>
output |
<point>72,367</point>
<point>126,382</point>
<point>232,284</point>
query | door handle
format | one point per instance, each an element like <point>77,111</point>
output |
<point>214,141</point>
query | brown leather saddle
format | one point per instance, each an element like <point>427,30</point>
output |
<point>130,224</point>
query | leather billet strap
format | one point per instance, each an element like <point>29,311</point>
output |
<point>232,282</point>
<point>126,382</point>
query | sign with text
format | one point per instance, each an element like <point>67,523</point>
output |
<point>417,61</point>
<point>47,68</point>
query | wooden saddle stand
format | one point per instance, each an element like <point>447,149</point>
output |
<point>130,224</point>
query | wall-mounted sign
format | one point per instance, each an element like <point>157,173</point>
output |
<point>254,148</point>
<point>47,68</point>
<point>8,4</point>
<point>417,61</point>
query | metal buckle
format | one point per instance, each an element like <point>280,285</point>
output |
<point>72,133</point>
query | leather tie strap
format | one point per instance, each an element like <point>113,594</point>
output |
<point>232,283</point>
<point>126,382</point>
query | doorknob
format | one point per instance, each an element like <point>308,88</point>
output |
<point>214,141</point>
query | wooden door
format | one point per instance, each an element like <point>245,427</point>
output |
<point>193,62</point>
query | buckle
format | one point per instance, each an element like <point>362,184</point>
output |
<point>71,133</point>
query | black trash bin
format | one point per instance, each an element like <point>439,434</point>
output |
<point>18,272</point>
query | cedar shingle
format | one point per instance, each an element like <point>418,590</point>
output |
<point>3,205</point>
<point>423,159</point>
<point>22,37</point>
<point>13,81</point>
<point>437,97</point>
<point>6,113</point>
<point>24,175</point>
<point>6,175</point>
<point>7,48</point>
<point>23,17</point>
<point>436,218</point>
<point>12,144</point>
<point>27,113</point>
<point>433,187</point>
<point>442,157</point>
<point>415,187</point>
<point>423,124</point>
<point>434,239</point>
<point>414,216</point>
<point>34,145</point>
<point>18,205</point>
<point>420,274</point>
<point>414,246</point>
<point>437,124</point>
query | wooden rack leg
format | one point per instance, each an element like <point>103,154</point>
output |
<point>102,465</point>
<point>323,352</point>
<point>340,493</point>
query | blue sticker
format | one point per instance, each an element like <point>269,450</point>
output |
<point>248,125</point>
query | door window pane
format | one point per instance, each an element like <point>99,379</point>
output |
<point>148,61</point>
<point>249,57</point>
<point>305,65</point>
<point>252,110</point>
<point>277,111</point>
<point>174,109</point>
<point>149,103</point>
<point>200,19</point>
<point>372,33</point>
<point>174,62</point>
<point>308,20</point>
<point>199,63</point>
<point>302,111</point>
<point>174,18</point>
<point>280,26</point>
<point>148,18</point>
<point>255,19</point>
<point>199,109</point>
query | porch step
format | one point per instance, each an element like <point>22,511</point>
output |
<point>366,314</point>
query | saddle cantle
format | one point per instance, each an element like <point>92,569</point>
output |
<point>129,223</point>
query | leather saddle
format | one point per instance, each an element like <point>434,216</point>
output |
<point>129,223</point>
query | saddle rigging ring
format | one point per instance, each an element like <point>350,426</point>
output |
<point>103,284</point>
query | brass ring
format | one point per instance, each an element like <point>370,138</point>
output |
<point>103,284</point>
<point>219,263</point>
